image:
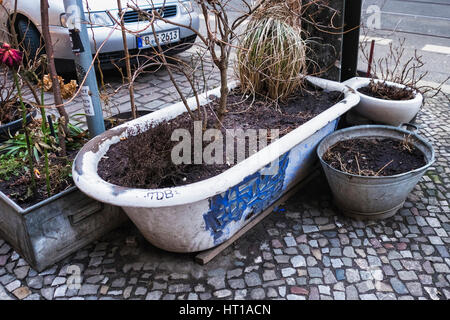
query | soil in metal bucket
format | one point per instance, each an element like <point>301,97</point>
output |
<point>374,156</point>
<point>143,160</point>
<point>381,90</point>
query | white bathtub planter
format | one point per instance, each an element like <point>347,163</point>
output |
<point>204,214</point>
<point>393,112</point>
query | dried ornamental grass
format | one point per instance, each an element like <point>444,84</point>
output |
<point>286,10</point>
<point>272,58</point>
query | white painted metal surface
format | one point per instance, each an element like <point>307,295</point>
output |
<point>393,112</point>
<point>185,218</point>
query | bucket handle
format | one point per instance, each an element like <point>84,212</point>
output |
<point>410,125</point>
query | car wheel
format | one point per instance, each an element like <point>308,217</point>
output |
<point>29,38</point>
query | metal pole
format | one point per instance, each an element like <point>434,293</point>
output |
<point>81,48</point>
<point>350,39</point>
<point>369,67</point>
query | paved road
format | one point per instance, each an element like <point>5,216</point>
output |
<point>425,24</point>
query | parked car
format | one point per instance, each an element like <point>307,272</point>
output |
<point>100,14</point>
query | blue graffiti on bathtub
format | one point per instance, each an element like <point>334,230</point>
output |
<point>255,193</point>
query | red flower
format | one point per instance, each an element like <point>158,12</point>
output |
<point>9,56</point>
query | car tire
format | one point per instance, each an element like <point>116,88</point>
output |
<point>29,37</point>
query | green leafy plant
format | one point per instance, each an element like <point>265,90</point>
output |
<point>16,146</point>
<point>12,58</point>
<point>9,166</point>
<point>17,173</point>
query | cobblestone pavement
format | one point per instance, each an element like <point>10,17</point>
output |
<point>153,89</point>
<point>305,250</point>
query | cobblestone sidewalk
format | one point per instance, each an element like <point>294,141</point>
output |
<point>305,250</point>
<point>153,89</point>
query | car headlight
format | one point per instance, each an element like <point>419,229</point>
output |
<point>186,7</point>
<point>96,19</point>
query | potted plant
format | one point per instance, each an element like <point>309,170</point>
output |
<point>385,101</point>
<point>10,115</point>
<point>372,168</point>
<point>186,201</point>
<point>392,93</point>
<point>43,216</point>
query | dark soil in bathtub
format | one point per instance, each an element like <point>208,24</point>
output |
<point>374,157</point>
<point>144,160</point>
<point>381,90</point>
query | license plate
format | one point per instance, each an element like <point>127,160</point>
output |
<point>165,37</point>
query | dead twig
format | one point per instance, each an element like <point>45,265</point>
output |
<point>384,167</point>
<point>357,163</point>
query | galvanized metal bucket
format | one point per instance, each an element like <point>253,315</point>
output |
<point>52,229</point>
<point>372,197</point>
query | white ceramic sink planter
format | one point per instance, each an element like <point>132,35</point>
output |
<point>204,214</point>
<point>393,112</point>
